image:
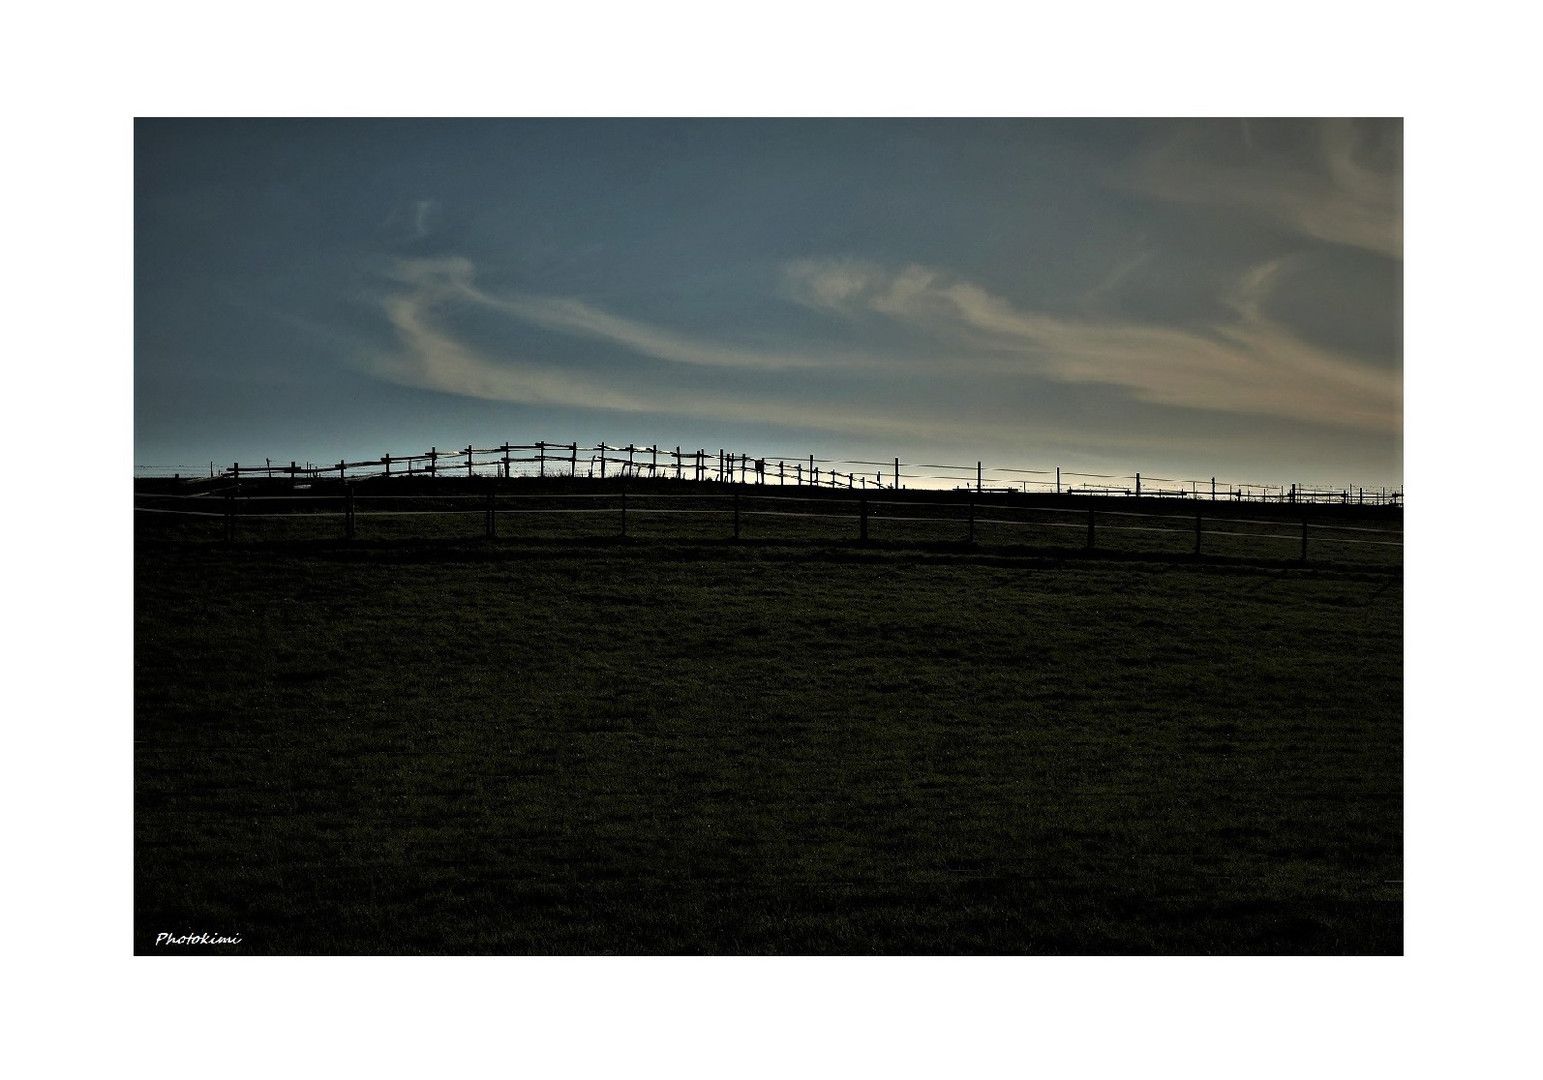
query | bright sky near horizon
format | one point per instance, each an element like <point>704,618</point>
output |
<point>1180,298</point>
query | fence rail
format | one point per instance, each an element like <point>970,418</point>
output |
<point>604,461</point>
<point>267,510</point>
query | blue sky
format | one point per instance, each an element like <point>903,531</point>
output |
<point>1181,298</point>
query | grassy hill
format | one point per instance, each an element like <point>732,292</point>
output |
<point>694,746</point>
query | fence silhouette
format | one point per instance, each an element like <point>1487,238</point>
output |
<point>433,505</point>
<point>543,459</point>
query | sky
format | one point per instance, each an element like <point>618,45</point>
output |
<point>1180,298</point>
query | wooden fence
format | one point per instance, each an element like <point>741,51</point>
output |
<point>737,511</point>
<point>602,461</point>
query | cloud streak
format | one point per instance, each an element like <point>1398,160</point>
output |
<point>1251,364</point>
<point>1248,365</point>
<point>453,279</point>
<point>1349,190</point>
<point>432,358</point>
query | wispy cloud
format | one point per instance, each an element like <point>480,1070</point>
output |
<point>412,221</point>
<point>1347,188</point>
<point>1113,280</point>
<point>431,357</point>
<point>423,211</point>
<point>1250,364</point>
<point>453,278</point>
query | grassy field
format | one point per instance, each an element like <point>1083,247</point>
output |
<point>658,747</point>
<point>563,509</point>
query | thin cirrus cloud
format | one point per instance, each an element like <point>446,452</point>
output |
<point>452,279</point>
<point>431,357</point>
<point>1342,192</point>
<point>423,211</point>
<point>412,221</point>
<point>1249,365</point>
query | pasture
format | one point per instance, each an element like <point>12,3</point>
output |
<point>597,745</point>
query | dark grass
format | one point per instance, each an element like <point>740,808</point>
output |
<point>648,746</point>
<point>1350,543</point>
<point>563,509</point>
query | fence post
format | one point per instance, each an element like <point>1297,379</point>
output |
<point>736,513</point>
<point>1138,485</point>
<point>862,517</point>
<point>348,516</point>
<point>1090,528</point>
<point>897,474</point>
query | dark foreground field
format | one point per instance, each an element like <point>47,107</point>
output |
<point>597,746</point>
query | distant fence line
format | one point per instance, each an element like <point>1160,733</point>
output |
<point>543,459</point>
<point>956,519</point>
